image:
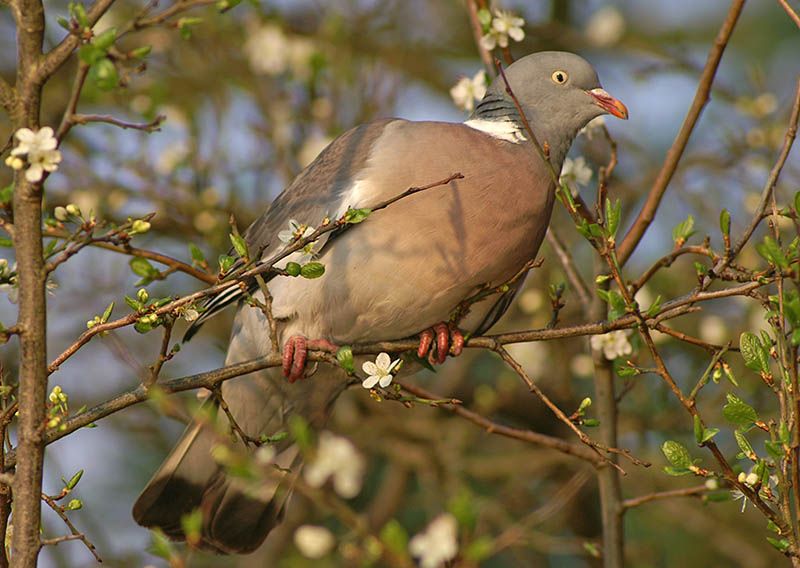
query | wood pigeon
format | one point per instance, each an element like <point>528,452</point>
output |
<point>399,273</point>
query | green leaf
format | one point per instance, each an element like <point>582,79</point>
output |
<point>683,231</point>
<point>354,216</point>
<point>184,25</point>
<point>738,411</point>
<point>275,438</point>
<point>479,549</point>
<point>709,433</point>
<point>192,525</point>
<point>698,430</point>
<point>676,471</point>
<point>462,506</point>
<point>7,194</point>
<point>105,39</point>
<point>591,423</point>
<point>772,252</point>
<point>293,269</point>
<point>485,18</point>
<point>744,445</point>
<point>6,243</point>
<point>240,246</point>
<point>797,202</point>
<point>775,449</point>
<point>73,480</point>
<point>143,327</point>
<point>104,74</point>
<point>676,454</point>
<point>225,262</point>
<point>312,270</point>
<point>90,53</point>
<point>142,52</point>
<point>133,304</point>
<point>197,254</point>
<point>725,222</point>
<point>655,307</point>
<point>612,217</point>
<point>345,357</point>
<point>142,267</point>
<point>783,432</point>
<point>755,355</point>
<point>79,13</point>
<point>63,22</point>
<point>107,313</point>
<point>395,537</point>
<point>781,544</point>
<point>301,432</point>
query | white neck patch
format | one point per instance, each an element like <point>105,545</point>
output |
<point>503,129</point>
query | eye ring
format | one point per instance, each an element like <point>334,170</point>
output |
<point>559,77</point>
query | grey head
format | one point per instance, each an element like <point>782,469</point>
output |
<point>559,93</point>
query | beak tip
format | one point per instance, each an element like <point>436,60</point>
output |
<point>608,103</point>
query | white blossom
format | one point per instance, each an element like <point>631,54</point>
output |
<point>504,25</point>
<point>613,344</point>
<point>190,314</point>
<point>267,50</point>
<point>575,171</point>
<point>313,541</point>
<point>31,142</point>
<point>593,127</point>
<point>467,91</point>
<point>39,148</point>
<point>379,372</point>
<point>606,27</point>
<point>10,286</point>
<point>337,458</point>
<point>437,544</point>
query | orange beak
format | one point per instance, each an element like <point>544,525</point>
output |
<point>608,103</point>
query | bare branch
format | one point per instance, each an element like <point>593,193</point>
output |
<point>688,492</point>
<point>75,533</point>
<point>530,436</point>
<point>701,98</point>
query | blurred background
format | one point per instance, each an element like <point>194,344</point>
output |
<point>250,98</point>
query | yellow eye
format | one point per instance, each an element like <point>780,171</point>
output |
<point>559,77</point>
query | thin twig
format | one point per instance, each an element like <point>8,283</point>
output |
<point>76,534</point>
<point>568,263</point>
<point>563,446</point>
<point>789,10</point>
<point>152,126</point>
<point>688,492</point>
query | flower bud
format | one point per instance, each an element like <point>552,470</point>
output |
<point>74,504</point>
<point>143,295</point>
<point>61,214</point>
<point>140,226</point>
<point>73,209</point>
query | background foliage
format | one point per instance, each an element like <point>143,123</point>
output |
<point>250,95</point>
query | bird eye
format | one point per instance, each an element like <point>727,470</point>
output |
<point>559,77</point>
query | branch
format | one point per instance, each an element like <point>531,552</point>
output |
<point>769,186</point>
<point>701,98</point>
<point>152,126</point>
<point>688,492</point>
<point>530,436</point>
<point>792,14</point>
<point>174,264</point>
<point>75,533</point>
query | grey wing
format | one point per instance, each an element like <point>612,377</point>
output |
<point>314,194</point>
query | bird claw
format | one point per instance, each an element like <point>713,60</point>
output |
<point>295,352</point>
<point>443,332</point>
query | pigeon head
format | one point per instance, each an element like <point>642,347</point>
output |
<point>559,93</point>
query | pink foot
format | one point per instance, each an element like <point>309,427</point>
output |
<point>294,355</point>
<point>443,332</point>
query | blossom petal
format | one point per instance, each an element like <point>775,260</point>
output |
<point>370,381</point>
<point>385,380</point>
<point>383,361</point>
<point>517,34</point>
<point>370,368</point>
